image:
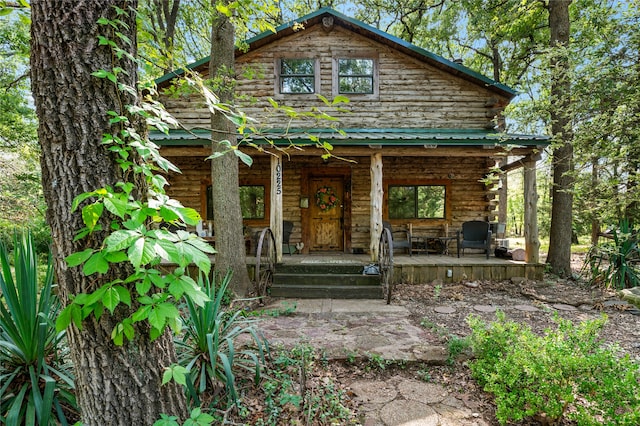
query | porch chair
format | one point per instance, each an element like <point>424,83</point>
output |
<point>401,239</point>
<point>475,234</point>
<point>287,228</point>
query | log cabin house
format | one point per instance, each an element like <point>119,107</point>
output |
<point>417,139</point>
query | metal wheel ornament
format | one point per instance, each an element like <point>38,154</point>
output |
<point>385,261</point>
<point>265,262</point>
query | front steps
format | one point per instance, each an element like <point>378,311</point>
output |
<point>325,281</point>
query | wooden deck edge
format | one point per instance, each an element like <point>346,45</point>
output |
<point>422,274</point>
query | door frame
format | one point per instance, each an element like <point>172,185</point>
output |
<point>343,173</point>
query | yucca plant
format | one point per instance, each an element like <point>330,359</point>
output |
<point>208,348</point>
<point>36,384</point>
<point>616,264</point>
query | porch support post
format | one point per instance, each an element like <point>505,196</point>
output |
<point>377,192</point>
<point>276,203</point>
<point>531,237</point>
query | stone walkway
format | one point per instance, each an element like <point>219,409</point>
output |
<point>347,328</point>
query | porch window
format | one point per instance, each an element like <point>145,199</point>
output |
<point>417,201</point>
<point>355,76</point>
<point>297,76</point>
<point>252,202</point>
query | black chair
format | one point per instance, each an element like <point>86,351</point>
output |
<point>475,234</point>
<point>401,239</point>
<point>287,228</point>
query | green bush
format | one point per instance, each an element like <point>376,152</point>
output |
<point>39,231</point>
<point>208,347</point>
<point>566,373</point>
<point>36,383</point>
<point>615,263</point>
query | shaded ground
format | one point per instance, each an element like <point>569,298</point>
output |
<point>412,387</point>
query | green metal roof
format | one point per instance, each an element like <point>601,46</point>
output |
<point>354,24</point>
<point>362,137</point>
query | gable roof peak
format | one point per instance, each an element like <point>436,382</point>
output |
<point>368,31</point>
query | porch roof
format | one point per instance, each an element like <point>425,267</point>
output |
<point>429,138</point>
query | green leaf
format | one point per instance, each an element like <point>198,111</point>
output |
<point>123,294</point>
<point>141,252</point>
<point>64,318</point>
<point>116,206</point>
<point>111,299</point>
<point>79,199</point>
<point>116,257</point>
<point>167,376</point>
<point>156,319</point>
<point>78,258</point>
<point>143,287</point>
<point>91,214</point>
<point>96,263</point>
<point>245,158</point>
<point>121,240</point>
<point>100,73</point>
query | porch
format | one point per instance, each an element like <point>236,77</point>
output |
<point>426,268</point>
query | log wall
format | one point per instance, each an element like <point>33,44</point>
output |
<point>411,93</point>
<point>469,198</point>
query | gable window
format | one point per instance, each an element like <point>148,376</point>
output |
<point>297,75</point>
<point>355,76</point>
<point>417,201</point>
<point>252,202</point>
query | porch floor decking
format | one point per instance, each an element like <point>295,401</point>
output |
<point>418,269</point>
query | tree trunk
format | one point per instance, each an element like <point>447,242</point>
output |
<point>224,169</point>
<point>559,256</point>
<point>114,385</point>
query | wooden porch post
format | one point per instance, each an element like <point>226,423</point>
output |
<point>276,203</point>
<point>377,192</point>
<point>531,238</point>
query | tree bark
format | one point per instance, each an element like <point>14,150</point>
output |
<point>559,257</point>
<point>114,385</point>
<point>224,169</point>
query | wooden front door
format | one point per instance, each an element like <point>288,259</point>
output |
<point>326,210</point>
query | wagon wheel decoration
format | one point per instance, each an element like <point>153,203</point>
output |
<point>385,260</point>
<point>265,262</point>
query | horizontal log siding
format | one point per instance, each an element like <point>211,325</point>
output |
<point>470,199</point>
<point>411,93</point>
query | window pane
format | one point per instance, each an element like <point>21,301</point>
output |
<point>296,85</point>
<point>296,67</point>
<point>355,67</point>
<point>252,201</point>
<point>356,85</point>
<point>297,76</point>
<point>431,200</point>
<point>402,202</point>
<point>355,75</point>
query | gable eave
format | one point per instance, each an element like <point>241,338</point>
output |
<point>365,30</point>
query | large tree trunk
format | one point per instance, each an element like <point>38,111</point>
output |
<point>224,169</point>
<point>114,385</point>
<point>559,256</point>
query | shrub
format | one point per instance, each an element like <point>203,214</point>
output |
<point>615,263</point>
<point>567,373</point>
<point>208,348</point>
<point>35,375</point>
